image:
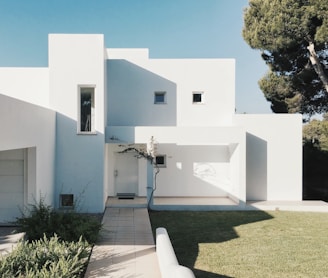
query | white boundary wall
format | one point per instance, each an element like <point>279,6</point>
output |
<point>168,263</point>
<point>274,156</point>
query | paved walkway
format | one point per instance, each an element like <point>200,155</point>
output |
<point>125,247</point>
<point>8,239</point>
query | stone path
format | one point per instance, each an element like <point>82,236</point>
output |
<point>125,247</point>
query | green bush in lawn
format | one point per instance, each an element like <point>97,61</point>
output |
<point>42,219</point>
<point>46,257</point>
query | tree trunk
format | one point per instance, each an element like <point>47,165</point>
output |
<point>317,66</point>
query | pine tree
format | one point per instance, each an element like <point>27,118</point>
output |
<point>293,38</point>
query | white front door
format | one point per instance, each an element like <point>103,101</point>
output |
<point>126,173</point>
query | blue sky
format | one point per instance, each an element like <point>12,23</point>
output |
<point>169,28</point>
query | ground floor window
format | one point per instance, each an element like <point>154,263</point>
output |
<point>160,160</point>
<point>66,200</point>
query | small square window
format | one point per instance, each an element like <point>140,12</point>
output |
<point>197,97</point>
<point>66,200</point>
<point>160,160</point>
<point>160,97</point>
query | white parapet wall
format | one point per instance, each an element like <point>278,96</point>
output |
<point>168,263</point>
<point>26,84</point>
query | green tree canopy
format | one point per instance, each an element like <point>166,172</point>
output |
<point>315,133</point>
<point>293,38</point>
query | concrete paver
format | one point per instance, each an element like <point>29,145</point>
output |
<point>125,247</point>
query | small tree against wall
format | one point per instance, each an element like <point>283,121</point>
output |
<point>148,153</point>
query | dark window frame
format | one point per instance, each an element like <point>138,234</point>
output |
<point>160,97</point>
<point>198,97</point>
<point>162,162</point>
<point>87,110</point>
<point>66,200</point>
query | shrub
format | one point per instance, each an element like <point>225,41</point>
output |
<point>41,220</point>
<point>71,226</point>
<point>35,221</point>
<point>47,257</point>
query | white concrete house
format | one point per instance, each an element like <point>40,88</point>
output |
<point>64,127</point>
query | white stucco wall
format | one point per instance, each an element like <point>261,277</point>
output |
<point>176,135</point>
<point>78,60</point>
<point>274,156</point>
<point>25,125</point>
<point>262,152</point>
<point>201,161</point>
<point>237,160</point>
<point>27,84</point>
<point>132,80</point>
<point>137,78</point>
<point>130,95</point>
<point>194,171</point>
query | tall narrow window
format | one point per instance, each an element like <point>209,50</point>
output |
<point>87,109</point>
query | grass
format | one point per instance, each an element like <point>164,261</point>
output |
<point>249,243</point>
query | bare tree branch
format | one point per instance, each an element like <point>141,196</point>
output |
<point>317,65</point>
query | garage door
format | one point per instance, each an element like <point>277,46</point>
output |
<point>11,184</point>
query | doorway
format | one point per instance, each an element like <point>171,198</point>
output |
<point>126,174</point>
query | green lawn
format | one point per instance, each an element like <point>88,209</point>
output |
<point>249,243</point>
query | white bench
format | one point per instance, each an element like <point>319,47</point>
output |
<point>167,259</point>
